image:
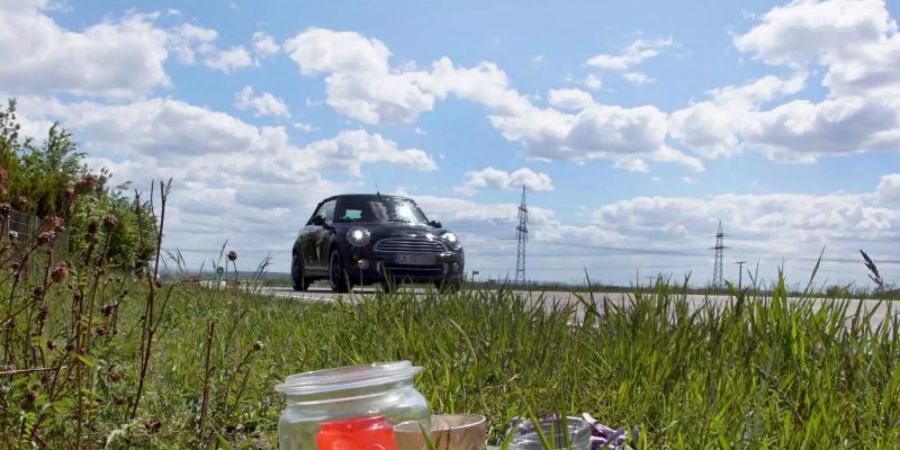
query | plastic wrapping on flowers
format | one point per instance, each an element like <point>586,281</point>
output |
<point>602,436</point>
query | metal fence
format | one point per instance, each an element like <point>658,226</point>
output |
<point>22,228</point>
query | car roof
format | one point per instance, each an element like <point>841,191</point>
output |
<point>335,197</point>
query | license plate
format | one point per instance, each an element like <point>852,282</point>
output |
<point>415,260</point>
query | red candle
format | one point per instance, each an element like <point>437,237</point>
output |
<point>362,433</point>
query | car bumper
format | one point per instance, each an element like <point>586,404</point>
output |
<point>365,266</point>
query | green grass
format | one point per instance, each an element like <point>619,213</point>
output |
<point>744,375</point>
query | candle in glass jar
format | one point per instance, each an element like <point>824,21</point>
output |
<point>362,433</point>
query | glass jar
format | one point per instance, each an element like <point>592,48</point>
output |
<point>576,432</point>
<point>348,392</point>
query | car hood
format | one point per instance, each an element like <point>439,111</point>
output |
<point>393,230</point>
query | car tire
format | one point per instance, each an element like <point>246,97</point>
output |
<point>299,280</point>
<point>389,286</point>
<point>337,276</point>
<point>450,287</point>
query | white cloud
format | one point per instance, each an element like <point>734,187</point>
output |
<point>485,84</point>
<point>856,40</point>
<point>114,58</point>
<point>689,180</point>
<point>637,52</point>
<point>802,130</point>
<point>713,127</point>
<point>349,150</point>
<point>490,177</point>
<point>264,45</point>
<point>669,154</point>
<point>858,45</point>
<point>318,51</point>
<point>462,210</point>
<point>889,189</point>
<point>188,39</point>
<point>626,136</point>
<point>196,33</point>
<point>637,78</point>
<point>361,84</point>
<point>305,127</point>
<point>570,99</point>
<point>264,104</point>
<point>770,224</point>
<point>186,141</point>
<point>359,81</point>
<point>537,59</point>
<point>227,61</point>
<point>172,12</point>
<point>593,82</point>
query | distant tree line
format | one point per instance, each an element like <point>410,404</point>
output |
<point>51,179</point>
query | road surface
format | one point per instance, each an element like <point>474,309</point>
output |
<point>323,294</point>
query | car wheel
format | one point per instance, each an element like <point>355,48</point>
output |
<point>299,281</point>
<point>336,274</point>
<point>451,286</point>
<point>389,286</point>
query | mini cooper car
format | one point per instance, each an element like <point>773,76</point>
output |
<point>364,239</point>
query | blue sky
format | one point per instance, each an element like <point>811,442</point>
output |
<point>635,126</point>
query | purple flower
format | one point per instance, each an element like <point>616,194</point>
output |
<point>603,436</point>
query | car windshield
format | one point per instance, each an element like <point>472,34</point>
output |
<point>379,209</point>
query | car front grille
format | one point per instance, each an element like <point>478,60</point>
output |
<point>409,245</point>
<point>399,269</point>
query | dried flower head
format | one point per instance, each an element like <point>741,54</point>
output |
<point>92,227</point>
<point>86,184</point>
<point>107,310</point>
<point>110,222</point>
<point>51,344</point>
<point>257,346</point>
<point>232,255</point>
<point>20,202</point>
<point>56,224</point>
<point>38,292</point>
<point>46,237</point>
<point>152,424</point>
<point>116,375</point>
<point>42,314</point>
<point>59,273</point>
<point>101,331</point>
<point>4,209</point>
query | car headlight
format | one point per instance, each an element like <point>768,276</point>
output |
<point>452,241</point>
<point>358,236</point>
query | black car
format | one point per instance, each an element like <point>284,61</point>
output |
<point>364,239</point>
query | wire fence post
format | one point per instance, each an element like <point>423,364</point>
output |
<point>32,234</point>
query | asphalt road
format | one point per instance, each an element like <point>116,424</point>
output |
<point>323,294</point>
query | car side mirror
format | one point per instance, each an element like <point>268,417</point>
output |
<point>435,224</point>
<point>318,221</point>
